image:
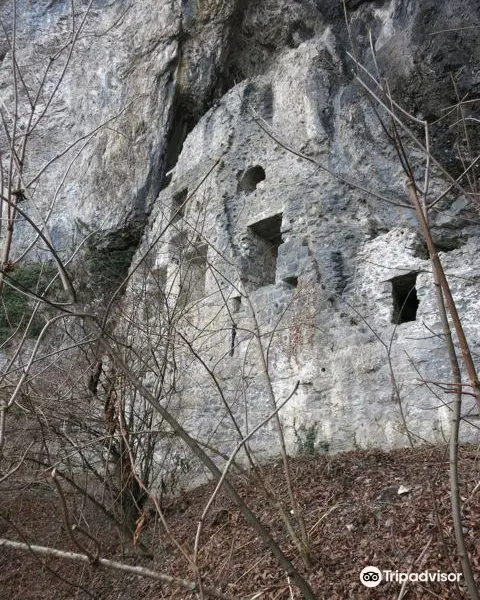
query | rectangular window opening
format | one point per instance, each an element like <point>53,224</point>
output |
<point>235,304</point>
<point>405,299</point>
<point>266,238</point>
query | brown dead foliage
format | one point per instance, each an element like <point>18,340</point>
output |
<point>353,511</point>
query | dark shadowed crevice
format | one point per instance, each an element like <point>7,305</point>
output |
<point>233,335</point>
<point>299,32</point>
<point>109,255</point>
<point>338,267</point>
<point>147,194</point>
<point>354,4</point>
<point>421,251</point>
<point>291,280</point>
<point>182,123</point>
<point>258,96</point>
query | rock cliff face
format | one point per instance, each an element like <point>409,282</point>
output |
<point>235,143</point>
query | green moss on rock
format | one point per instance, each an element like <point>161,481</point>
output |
<point>109,257</point>
<point>17,306</point>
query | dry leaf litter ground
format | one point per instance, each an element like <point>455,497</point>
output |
<point>354,513</point>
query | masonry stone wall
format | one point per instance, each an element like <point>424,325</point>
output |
<point>236,147</point>
<point>324,319</point>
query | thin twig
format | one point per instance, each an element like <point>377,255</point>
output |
<point>111,564</point>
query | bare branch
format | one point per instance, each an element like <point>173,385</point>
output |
<point>111,564</point>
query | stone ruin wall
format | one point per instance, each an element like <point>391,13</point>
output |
<point>260,230</point>
<point>263,243</point>
<point>268,234</point>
